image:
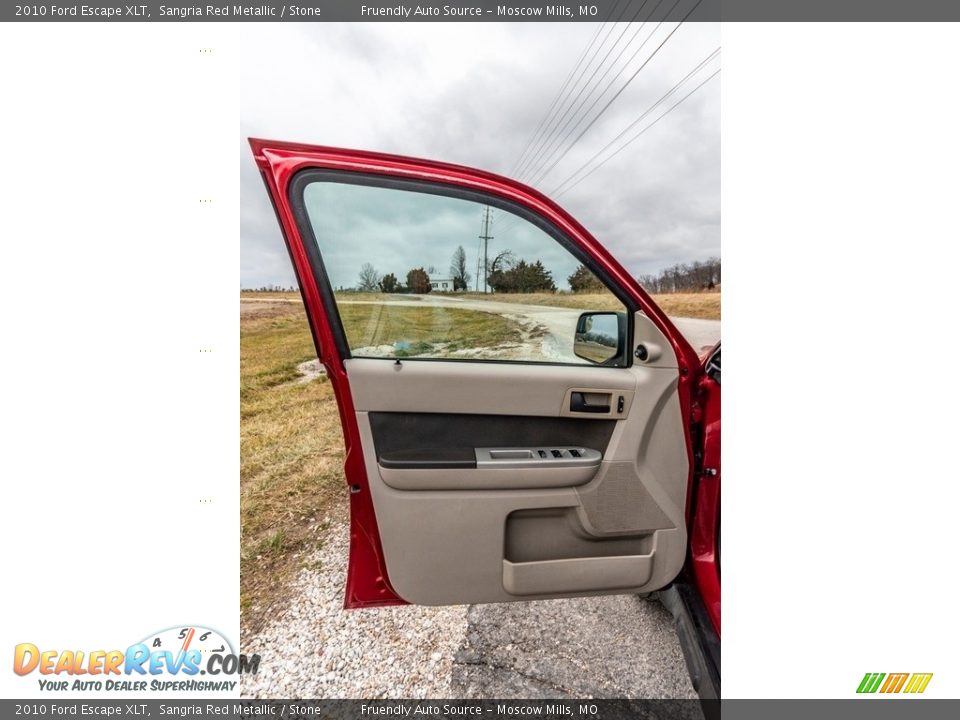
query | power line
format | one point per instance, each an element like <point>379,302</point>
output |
<point>551,125</point>
<point>562,190</point>
<point>547,116</point>
<point>643,115</point>
<point>624,87</point>
<point>563,87</point>
<point>557,129</point>
<point>561,97</point>
<point>577,117</point>
<point>631,140</point>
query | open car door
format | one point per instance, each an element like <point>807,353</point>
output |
<point>519,445</point>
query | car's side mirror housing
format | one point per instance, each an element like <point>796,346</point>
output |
<point>601,337</point>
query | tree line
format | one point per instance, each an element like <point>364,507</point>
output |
<point>686,277</point>
<point>417,279</point>
<point>508,274</point>
<point>505,274</point>
<point>271,288</point>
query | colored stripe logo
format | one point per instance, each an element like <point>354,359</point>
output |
<point>913,683</point>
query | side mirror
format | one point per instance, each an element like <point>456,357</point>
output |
<point>600,337</point>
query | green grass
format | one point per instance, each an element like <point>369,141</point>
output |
<point>420,328</point>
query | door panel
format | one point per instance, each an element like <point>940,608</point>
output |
<point>464,534</point>
<point>506,389</point>
<point>483,467</point>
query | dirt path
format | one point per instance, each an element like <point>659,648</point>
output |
<point>554,325</point>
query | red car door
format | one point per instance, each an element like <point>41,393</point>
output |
<point>506,446</point>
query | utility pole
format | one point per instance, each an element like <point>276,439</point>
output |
<point>486,237</point>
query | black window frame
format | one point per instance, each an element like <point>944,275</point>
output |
<point>295,196</point>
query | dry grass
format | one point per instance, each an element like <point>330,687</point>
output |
<point>288,297</point>
<point>291,454</point>
<point>694,305</point>
<point>248,295</point>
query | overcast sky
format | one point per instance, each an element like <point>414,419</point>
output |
<point>473,94</point>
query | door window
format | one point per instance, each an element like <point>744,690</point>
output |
<point>419,275</point>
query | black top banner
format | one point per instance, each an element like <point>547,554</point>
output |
<point>486,11</point>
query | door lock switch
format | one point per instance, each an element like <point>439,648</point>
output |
<point>519,458</point>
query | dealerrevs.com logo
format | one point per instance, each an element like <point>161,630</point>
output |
<point>173,659</point>
<point>909,683</point>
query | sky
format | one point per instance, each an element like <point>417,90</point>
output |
<point>474,94</point>
<point>396,231</point>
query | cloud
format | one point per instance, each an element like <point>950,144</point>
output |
<point>473,94</point>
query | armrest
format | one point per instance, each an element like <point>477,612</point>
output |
<point>429,459</point>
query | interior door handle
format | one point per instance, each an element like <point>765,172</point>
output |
<point>578,403</point>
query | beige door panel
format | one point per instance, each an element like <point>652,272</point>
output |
<point>455,535</point>
<point>659,351</point>
<point>436,386</point>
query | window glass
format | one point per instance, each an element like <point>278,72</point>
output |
<point>417,275</point>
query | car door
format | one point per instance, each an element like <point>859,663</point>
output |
<point>511,440</point>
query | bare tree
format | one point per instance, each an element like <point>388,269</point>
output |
<point>369,279</point>
<point>503,260</point>
<point>458,269</point>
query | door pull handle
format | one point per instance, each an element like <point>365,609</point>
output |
<point>578,403</point>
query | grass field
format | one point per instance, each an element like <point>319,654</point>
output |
<point>291,453</point>
<point>291,447</point>
<point>422,327</point>
<point>694,305</point>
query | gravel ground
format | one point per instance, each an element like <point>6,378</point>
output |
<point>618,646</point>
<point>316,649</point>
<point>615,646</point>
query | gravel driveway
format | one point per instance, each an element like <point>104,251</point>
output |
<point>316,649</point>
<point>615,646</point>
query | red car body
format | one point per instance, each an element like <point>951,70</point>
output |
<point>368,582</point>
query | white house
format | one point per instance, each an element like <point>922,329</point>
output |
<point>443,284</point>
